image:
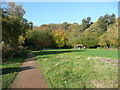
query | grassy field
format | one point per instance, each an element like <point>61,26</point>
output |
<point>83,68</point>
<point>10,69</point>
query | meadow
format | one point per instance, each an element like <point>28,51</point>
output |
<point>79,68</point>
<point>69,68</point>
<point>61,68</point>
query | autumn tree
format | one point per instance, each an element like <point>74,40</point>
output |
<point>59,38</point>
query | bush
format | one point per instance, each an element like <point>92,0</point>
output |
<point>10,52</point>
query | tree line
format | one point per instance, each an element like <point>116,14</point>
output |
<point>102,33</point>
<point>18,32</point>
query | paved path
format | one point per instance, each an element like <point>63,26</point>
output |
<point>29,76</point>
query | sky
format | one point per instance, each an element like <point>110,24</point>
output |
<point>72,12</point>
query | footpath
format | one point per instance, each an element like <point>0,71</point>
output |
<point>30,75</point>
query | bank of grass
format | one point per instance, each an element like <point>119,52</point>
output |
<point>10,68</point>
<point>72,68</point>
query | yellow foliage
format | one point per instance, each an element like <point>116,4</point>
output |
<point>21,40</point>
<point>59,37</point>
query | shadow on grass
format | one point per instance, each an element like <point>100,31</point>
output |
<point>55,52</point>
<point>15,69</point>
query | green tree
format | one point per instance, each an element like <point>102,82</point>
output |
<point>38,39</point>
<point>105,21</point>
<point>13,24</point>
<point>89,39</point>
<point>73,34</point>
<point>113,35</point>
<point>85,24</point>
<point>14,27</point>
<point>110,38</point>
<point>104,40</point>
<point>65,25</point>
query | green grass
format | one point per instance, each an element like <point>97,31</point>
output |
<point>72,68</point>
<point>10,69</point>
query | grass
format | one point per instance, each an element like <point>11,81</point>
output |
<point>10,69</point>
<point>72,68</point>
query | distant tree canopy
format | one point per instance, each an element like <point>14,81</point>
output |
<point>90,34</point>
<point>85,23</point>
<point>65,25</point>
<point>110,38</point>
<point>105,21</point>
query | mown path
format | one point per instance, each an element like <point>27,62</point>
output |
<point>30,76</point>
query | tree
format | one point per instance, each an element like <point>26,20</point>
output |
<point>14,28</point>
<point>73,34</point>
<point>50,27</point>
<point>94,28</point>
<point>85,24</point>
<point>104,40</point>
<point>113,35</point>
<point>89,39</point>
<point>105,21</point>
<point>38,39</point>
<point>65,25</point>
<point>59,38</point>
<point>73,41</point>
<point>31,25</point>
<point>110,38</point>
<point>13,24</point>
